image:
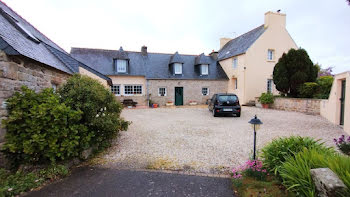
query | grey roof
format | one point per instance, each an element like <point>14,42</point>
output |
<point>240,44</point>
<point>176,58</point>
<point>121,54</point>
<point>152,66</point>
<point>201,59</point>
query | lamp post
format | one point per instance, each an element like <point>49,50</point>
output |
<point>255,122</point>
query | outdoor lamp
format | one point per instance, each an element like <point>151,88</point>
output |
<point>255,122</point>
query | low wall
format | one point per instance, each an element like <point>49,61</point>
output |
<point>308,106</point>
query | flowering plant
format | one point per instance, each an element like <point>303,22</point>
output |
<point>252,168</point>
<point>343,144</point>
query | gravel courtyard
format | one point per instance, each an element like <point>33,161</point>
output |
<point>192,139</point>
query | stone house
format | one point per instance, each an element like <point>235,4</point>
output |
<point>27,57</point>
<point>243,65</point>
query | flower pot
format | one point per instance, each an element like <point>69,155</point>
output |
<point>265,106</point>
<point>193,103</point>
<point>155,105</point>
<point>169,104</point>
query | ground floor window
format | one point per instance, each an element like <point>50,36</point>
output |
<point>205,91</point>
<point>269,85</point>
<point>236,83</point>
<point>115,89</point>
<point>132,89</point>
<point>162,91</point>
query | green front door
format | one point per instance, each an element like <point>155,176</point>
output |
<point>342,102</point>
<point>179,93</point>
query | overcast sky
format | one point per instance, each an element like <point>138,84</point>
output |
<point>322,27</point>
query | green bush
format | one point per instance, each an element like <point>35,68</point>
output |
<point>325,86</point>
<point>276,152</point>
<point>40,129</point>
<point>266,98</point>
<point>101,110</point>
<point>296,175</point>
<point>308,90</point>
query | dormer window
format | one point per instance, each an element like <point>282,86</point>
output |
<point>121,65</point>
<point>177,68</point>
<point>204,69</point>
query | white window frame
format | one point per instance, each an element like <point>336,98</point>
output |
<point>165,91</point>
<point>270,54</point>
<point>119,70</point>
<point>132,89</point>
<point>269,88</point>
<point>207,91</point>
<point>206,66</point>
<point>177,68</point>
<point>235,63</point>
<point>119,87</point>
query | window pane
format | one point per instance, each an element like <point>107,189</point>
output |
<point>204,69</point>
<point>115,89</point>
<point>128,89</point>
<point>269,54</point>
<point>269,85</point>
<point>121,66</point>
<point>205,91</point>
<point>230,98</point>
<point>162,91</point>
<point>178,68</point>
<point>235,62</point>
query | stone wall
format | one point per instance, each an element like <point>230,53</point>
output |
<point>192,90</point>
<point>308,106</point>
<point>16,71</point>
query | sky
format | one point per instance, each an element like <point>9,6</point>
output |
<point>322,27</point>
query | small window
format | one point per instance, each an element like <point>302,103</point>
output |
<point>121,66</point>
<point>132,89</point>
<point>269,85</point>
<point>235,63</point>
<point>205,91</point>
<point>178,68</point>
<point>115,89</point>
<point>162,92</point>
<point>236,84</point>
<point>204,69</point>
<point>270,54</point>
<point>54,87</point>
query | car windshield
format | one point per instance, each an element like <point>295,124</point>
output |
<point>230,98</point>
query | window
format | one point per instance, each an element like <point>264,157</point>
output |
<point>204,69</point>
<point>205,91</point>
<point>235,63</point>
<point>161,91</point>
<point>115,89</point>
<point>269,85</point>
<point>54,87</point>
<point>132,89</point>
<point>121,66</point>
<point>270,54</point>
<point>236,83</point>
<point>178,68</point>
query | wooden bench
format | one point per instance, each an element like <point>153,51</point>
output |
<point>129,102</point>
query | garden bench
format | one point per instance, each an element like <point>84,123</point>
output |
<point>129,102</point>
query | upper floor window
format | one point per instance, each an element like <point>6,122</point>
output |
<point>270,54</point>
<point>121,66</point>
<point>235,63</point>
<point>162,91</point>
<point>205,91</point>
<point>204,69</point>
<point>178,68</point>
<point>269,85</point>
<point>115,89</point>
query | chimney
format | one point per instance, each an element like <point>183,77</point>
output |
<point>275,19</point>
<point>214,55</point>
<point>144,50</point>
<point>223,41</point>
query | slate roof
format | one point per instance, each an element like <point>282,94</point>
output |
<point>240,44</point>
<point>152,66</point>
<point>176,58</point>
<point>19,37</point>
<point>201,59</point>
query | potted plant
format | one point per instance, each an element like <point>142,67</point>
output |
<point>169,103</point>
<point>155,105</point>
<point>193,102</point>
<point>266,99</point>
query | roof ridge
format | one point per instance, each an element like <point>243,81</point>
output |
<point>33,27</point>
<point>113,50</point>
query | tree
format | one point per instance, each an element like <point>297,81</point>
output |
<point>293,70</point>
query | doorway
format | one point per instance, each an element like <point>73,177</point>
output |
<point>179,99</point>
<point>342,102</point>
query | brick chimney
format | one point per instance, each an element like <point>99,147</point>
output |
<point>223,41</point>
<point>275,19</point>
<point>144,50</point>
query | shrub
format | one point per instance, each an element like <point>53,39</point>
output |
<point>101,110</point>
<point>266,98</point>
<point>343,145</point>
<point>40,129</point>
<point>296,175</point>
<point>276,152</point>
<point>308,90</point>
<point>325,86</point>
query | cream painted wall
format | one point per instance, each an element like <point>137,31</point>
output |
<point>330,109</point>
<point>83,71</point>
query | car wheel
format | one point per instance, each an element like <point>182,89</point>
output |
<point>238,114</point>
<point>214,113</point>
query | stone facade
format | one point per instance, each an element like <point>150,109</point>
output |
<point>327,183</point>
<point>18,71</point>
<point>192,90</point>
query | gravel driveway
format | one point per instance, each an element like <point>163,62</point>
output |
<point>192,139</point>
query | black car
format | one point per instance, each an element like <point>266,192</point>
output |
<point>224,103</point>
